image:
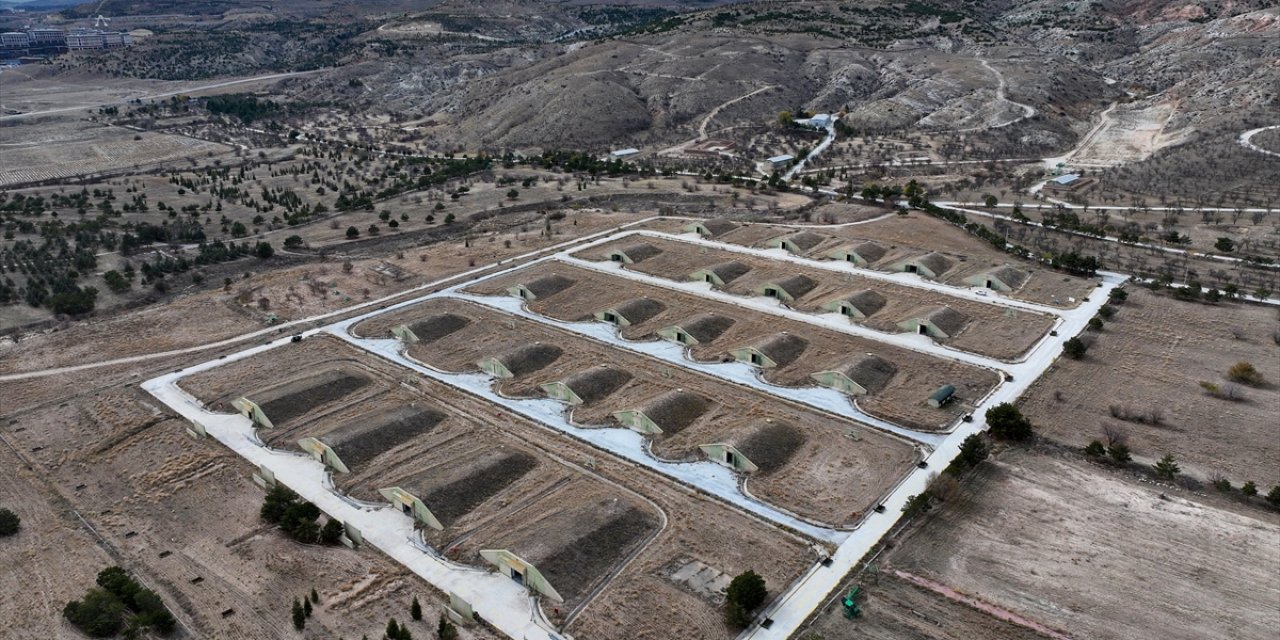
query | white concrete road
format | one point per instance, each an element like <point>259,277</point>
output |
<point>1246,140</point>
<point>504,603</point>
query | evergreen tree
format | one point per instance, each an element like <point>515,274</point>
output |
<point>415,609</point>
<point>299,616</point>
<point>1007,423</point>
<point>1167,467</point>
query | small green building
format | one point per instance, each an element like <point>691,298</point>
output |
<point>944,394</point>
<point>699,329</point>
<point>858,305</point>
<point>798,243</point>
<point>587,386</point>
<point>720,274</point>
<point>631,312</point>
<point>777,350</point>
<point>787,289</point>
<point>861,255</point>
<point>936,322</point>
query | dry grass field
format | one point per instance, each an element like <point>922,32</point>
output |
<point>68,149</point>
<point>902,400</point>
<point>1093,554</point>
<point>895,609</point>
<point>181,515</point>
<point>916,234</point>
<point>984,329</point>
<point>612,511</point>
<point>826,474</point>
<point>1153,355</point>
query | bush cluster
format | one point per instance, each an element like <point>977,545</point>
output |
<point>119,604</point>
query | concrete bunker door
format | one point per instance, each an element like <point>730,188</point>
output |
<point>730,459</point>
<point>408,509</point>
<point>922,329</point>
<point>616,257</point>
<point>756,359</point>
<point>517,576</point>
<point>911,268</point>
<point>610,317</point>
<point>991,285</point>
<point>771,292</point>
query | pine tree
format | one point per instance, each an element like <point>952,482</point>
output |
<point>1167,468</point>
<point>393,630</point>
<point>306,607</point>
<point>446,630</point>
<point>299,616</point>
<point>315,597</point>
<point>415,609</point>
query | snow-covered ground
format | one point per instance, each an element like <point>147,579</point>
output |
<point>507,605</point>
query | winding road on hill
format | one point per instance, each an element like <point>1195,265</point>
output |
<point>1028,111</point>
<point>1246,140</point>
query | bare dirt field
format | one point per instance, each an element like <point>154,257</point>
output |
<point>1078,549</point>
<point>916,234</point>
<point>1126,134</point>
<point>553,501</point>
<point>180,515</point>
<point>1153,355</point>
<point>69,148</point>
<point>901,400</point>
<point>829,474</point>
<point>159,328</point>
<point>895,609</point>
<point>986,329</point>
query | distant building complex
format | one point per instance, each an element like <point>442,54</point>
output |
<point>49,41</point>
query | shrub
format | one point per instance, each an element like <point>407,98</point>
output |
<point>1117,296</point>
<point>1074,348</point>
<point>352,233</point>
<point>293,242</point>
<point>735,617</point>
<point>104,610</point>
<point>1107,312</point>
<point>1095,324</point>
<point>972,452</point>
<point>10,523</point>
<point>1007,423</point>
<point>748,590</point>
<point>1274,496</point>
<point>331,533</point>
<point>1244,373</point>
<point>1119,453</point>
<point>1222,484</point>
<point>1249,489</point>
<point>446,630</point>
<point>99,614</point>
<point>1095,449</point>
<point>917,504</point>
<point>1167,467</point>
